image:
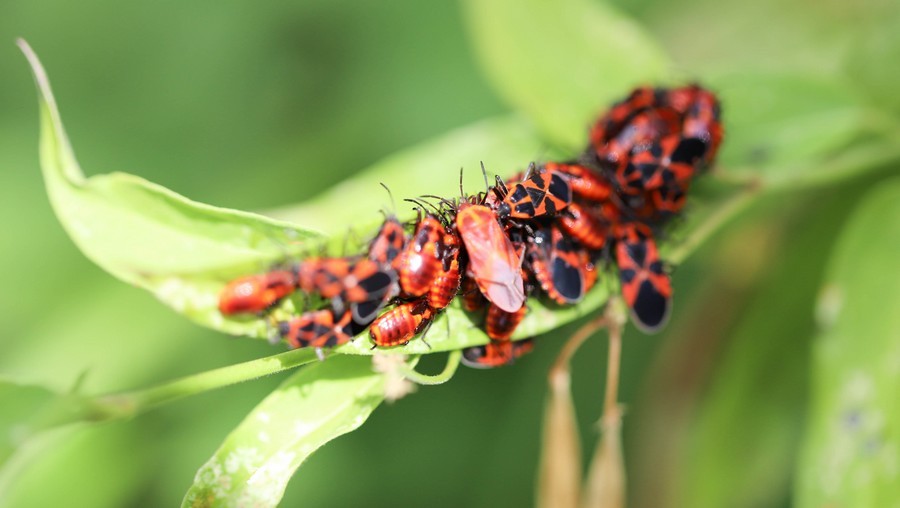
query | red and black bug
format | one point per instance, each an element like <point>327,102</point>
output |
<point>646,286</point>
<point>317,329</point>
<point>656,140</point>
<point>544,191</point>
<point>472,299</point>
<point>361,284</point>
<point>585,183</point>
<point>387,245</point>
<point>256,293</point>
<point>496,354</point>
<point>501,324</point>
<point>420,263</point>
<point>586,227</point>
<point>492,258</point>
<point>703,120</point>
<point>639,119</point>
<point>669,162</point>
<point>559,265</point>
<point>447,283</point>
<point>401,324</point>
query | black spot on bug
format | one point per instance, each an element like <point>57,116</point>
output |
<point>689,150</point>
<point>519,193</point>
<point>550,207</point>
<point>567,280</point>
<point>651,308</point>
<point>377,284</point>
<point>647,170</point>
<point>637,252</point>
<point>526,208</point>
<point>365,312</point>
<point>537,196</point>
<point>560,189</point>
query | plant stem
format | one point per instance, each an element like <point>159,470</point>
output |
<point>123,405</point>
<point>559,476</point>
<point>605,484</point>
<point>718,218</point>
<point>613,363</point>
<point>561,365</point>
<point>444,376</point>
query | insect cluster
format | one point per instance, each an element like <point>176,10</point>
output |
<point>547,230</point>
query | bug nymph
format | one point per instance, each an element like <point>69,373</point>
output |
<point>256,293</point>
<point>401,324</point>
<point>421,261</point>
<point>500,324</point>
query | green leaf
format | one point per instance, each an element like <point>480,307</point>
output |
<point>852,444</point>
<point>786,126</point>
<point>21,404</point>
<point>562,62</point>
<point>314,406</point>
<point>146,235</point>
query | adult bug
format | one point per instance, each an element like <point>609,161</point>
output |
<point>317,329</point>
<point>646,286</point>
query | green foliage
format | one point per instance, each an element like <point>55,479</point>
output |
<point>852,441</point>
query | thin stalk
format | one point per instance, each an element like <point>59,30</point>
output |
<point>559,476</point>
<point>123,405</point>
<point>605,484</point>
<point>717,219</point>
<point>449,369</point>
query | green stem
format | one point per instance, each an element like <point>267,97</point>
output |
<point>840,168</point>
<point>440,378</point>
<point>123,405</point>
<point>833,172</point>
<point>715,221</point>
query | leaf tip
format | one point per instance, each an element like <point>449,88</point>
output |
<point>40,75</point>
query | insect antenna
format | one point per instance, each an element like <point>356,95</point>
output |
<point>439,213</point>
<point>390,195</point>
<point>487,187</point>
<point>446,202</point>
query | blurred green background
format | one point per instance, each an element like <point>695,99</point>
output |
<point>256,106</point>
